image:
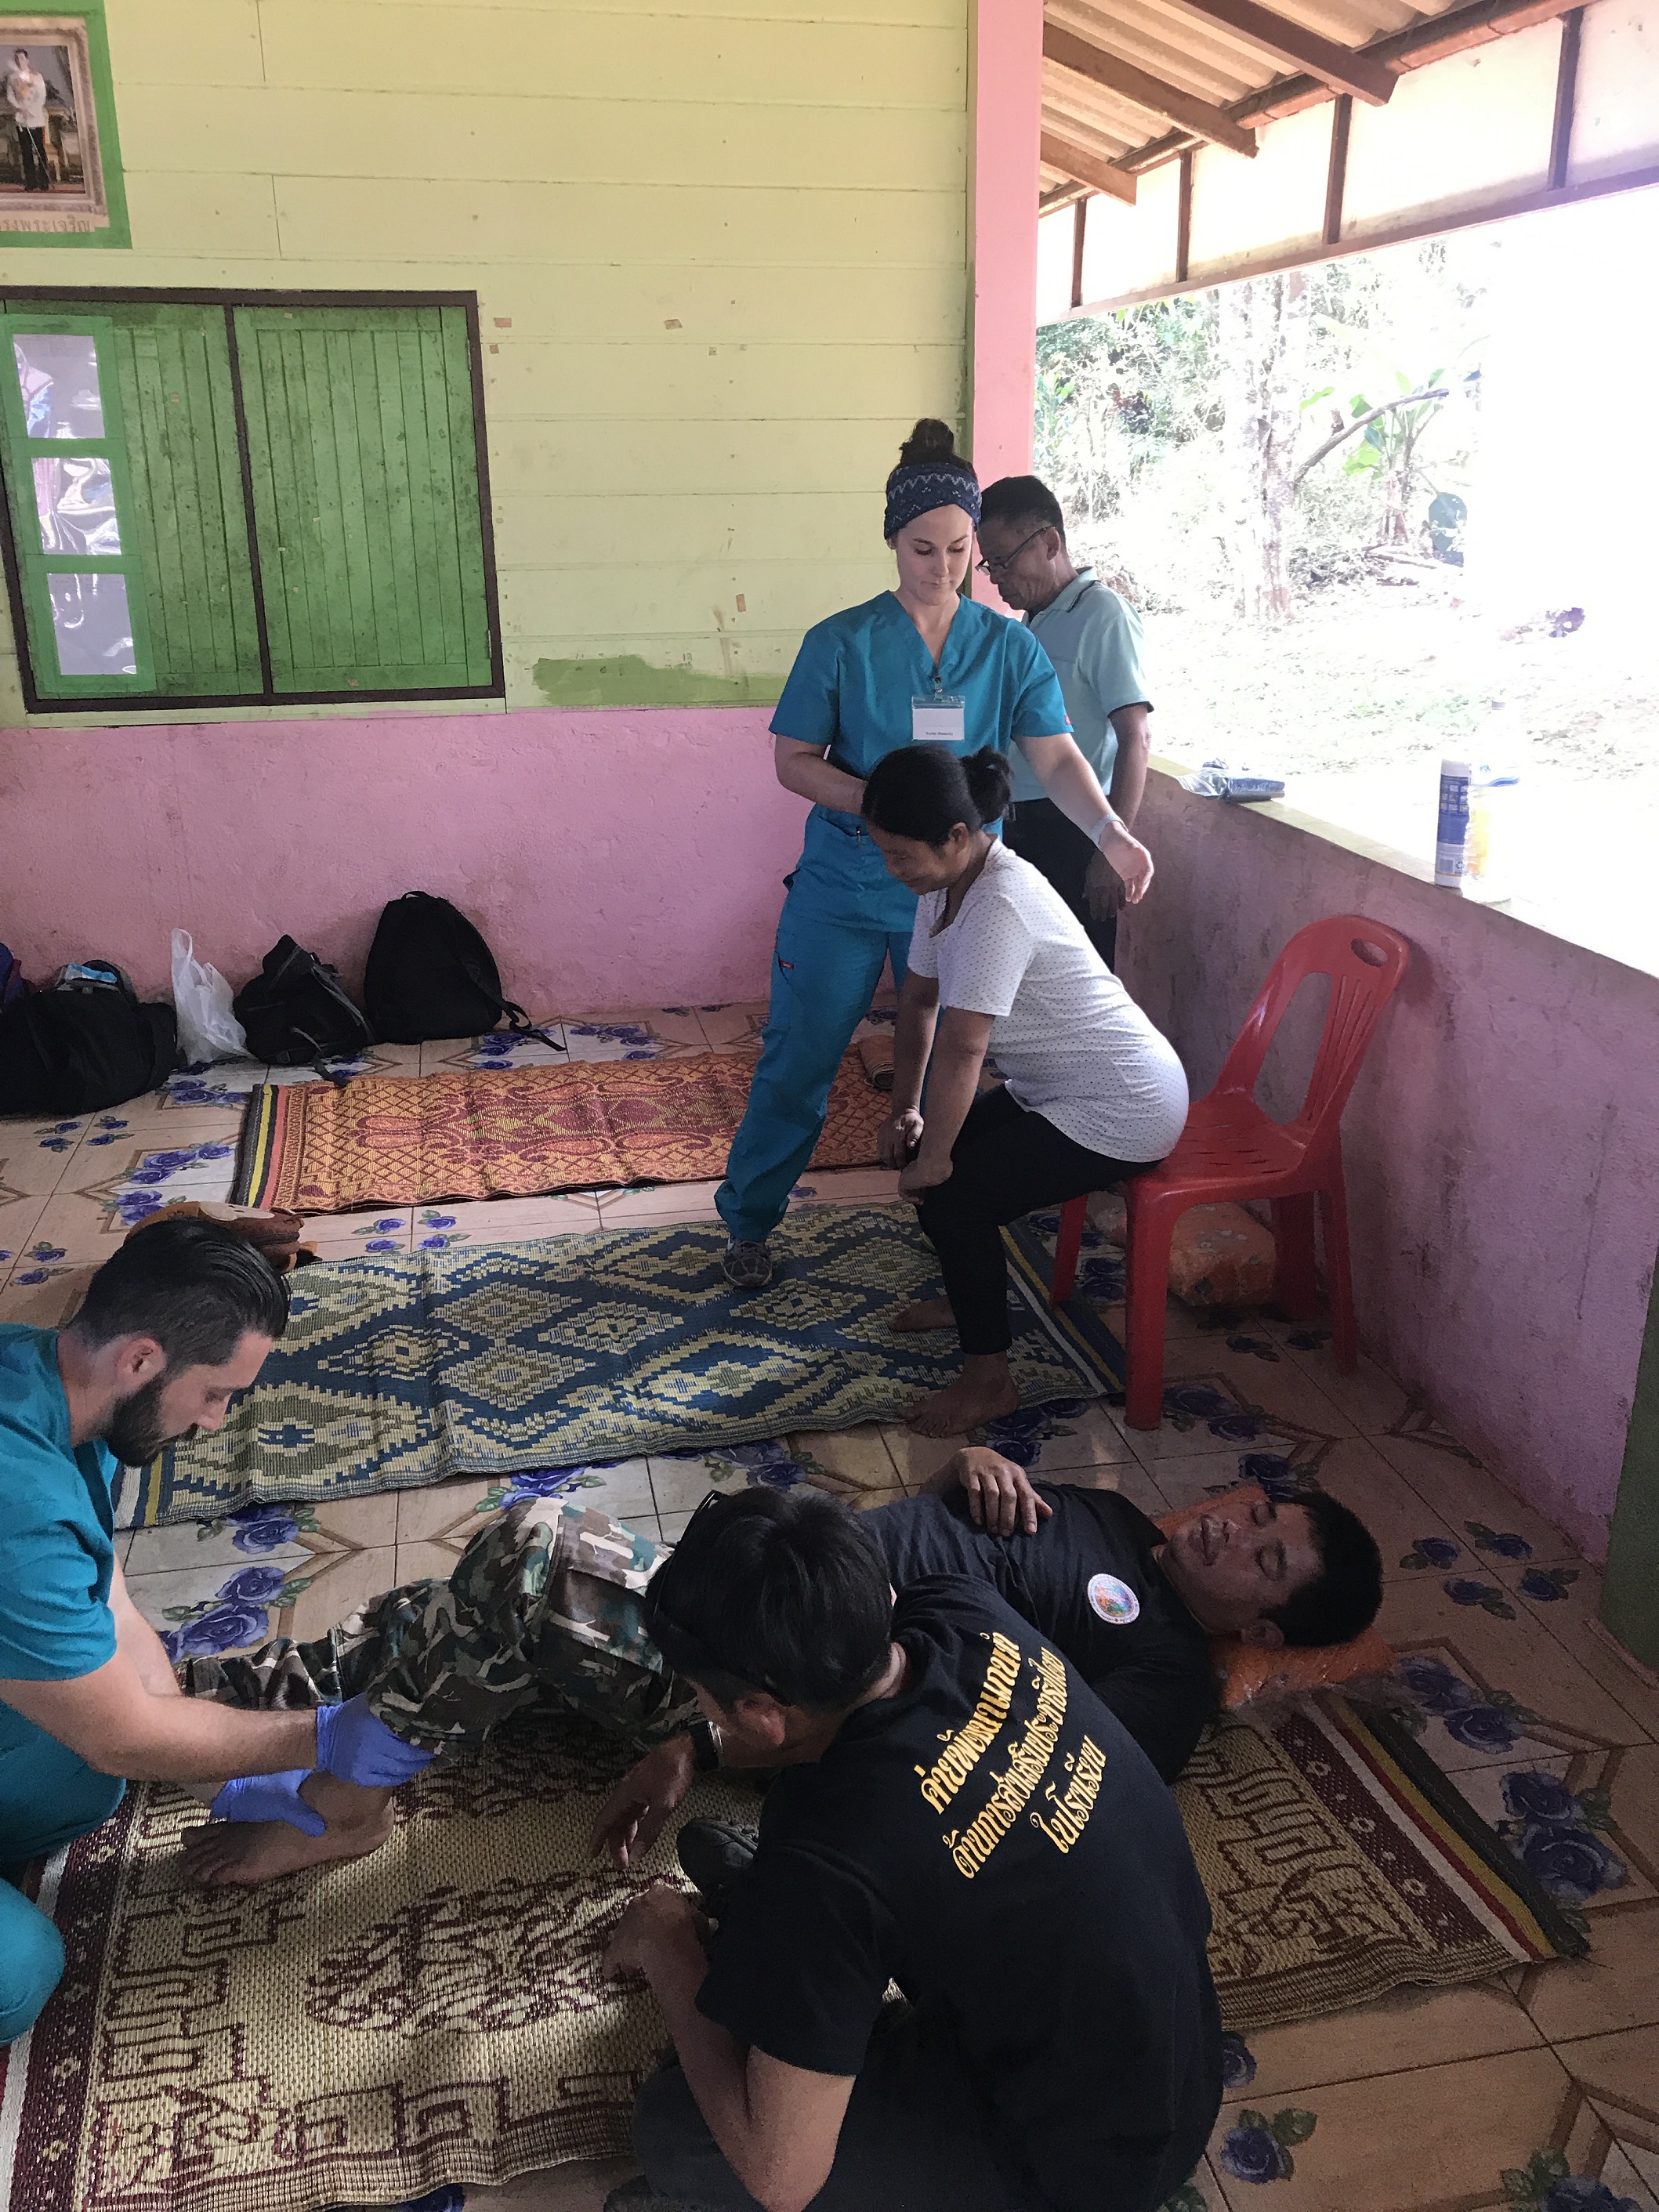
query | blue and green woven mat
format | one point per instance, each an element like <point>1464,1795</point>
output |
<point>406,1369</point>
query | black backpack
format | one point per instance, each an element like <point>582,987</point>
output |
<point>87,1044</point>
<point>294,1013</point>
<point>431,974</point>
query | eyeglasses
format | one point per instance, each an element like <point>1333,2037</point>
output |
<point>989,568</point>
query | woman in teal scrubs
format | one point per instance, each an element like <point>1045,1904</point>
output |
<point>918,665</point>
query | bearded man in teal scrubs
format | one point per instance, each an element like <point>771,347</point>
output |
<point>173,1327</point>
<point>920,665</point>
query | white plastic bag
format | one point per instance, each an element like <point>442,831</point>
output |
<point>207,1028</point>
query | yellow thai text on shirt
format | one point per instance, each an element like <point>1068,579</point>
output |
<point>1029,1761</point>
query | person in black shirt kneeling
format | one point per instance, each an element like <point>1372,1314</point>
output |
<point>957,1813</point>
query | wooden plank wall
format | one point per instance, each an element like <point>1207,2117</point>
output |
<point>720,260</point>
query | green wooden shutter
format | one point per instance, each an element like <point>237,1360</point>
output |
<point>365,484</point>
<point>73,512</point>
<point>180,412</point>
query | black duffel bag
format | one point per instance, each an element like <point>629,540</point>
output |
<point>296,1013</point>
<point>87,1044</point>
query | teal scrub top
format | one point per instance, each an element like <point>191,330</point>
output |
<point>57,1520</point>
<point>1093,639</point>
<point>851,690</point>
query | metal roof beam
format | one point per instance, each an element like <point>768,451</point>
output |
<point>1086,59</point>
<point>1086,168</point>
<point>1339,67</point>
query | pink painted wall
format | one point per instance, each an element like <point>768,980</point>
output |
<point>1502,1144</point>
<point>1007,132</point>
<point>614,857</point>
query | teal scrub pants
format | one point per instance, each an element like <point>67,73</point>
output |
<point>843,917</point>
<point>48,1798</point>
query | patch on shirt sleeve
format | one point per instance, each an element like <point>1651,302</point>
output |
<point>1114,1601</point>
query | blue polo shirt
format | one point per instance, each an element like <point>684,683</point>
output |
<point>851,689</point>
<point>56,1549</point>
<point>1093,638</point>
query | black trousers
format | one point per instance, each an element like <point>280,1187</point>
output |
<point>1005,1162</point>
<point>1038,830</point>
<point>916,2137</point>
<point>32,144</point>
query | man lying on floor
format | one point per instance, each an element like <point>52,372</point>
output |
<point>173,1325</point>
<point>546,1606</point>
<point>958,1812</point>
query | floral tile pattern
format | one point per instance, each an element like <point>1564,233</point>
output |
<point>34,1154</point>
<point>1533,2093</point>
<point>130,1182</point>
<point>664,1032</point>
<point>217,1586</point>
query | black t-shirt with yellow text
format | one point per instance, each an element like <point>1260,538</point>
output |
<point>994,1840</point>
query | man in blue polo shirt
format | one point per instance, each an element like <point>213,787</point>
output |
<point>1093,638</point>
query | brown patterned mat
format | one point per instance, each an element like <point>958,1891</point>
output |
<point>1341,1862</point>
<point>520,1131</point>
<point>435,2014</point>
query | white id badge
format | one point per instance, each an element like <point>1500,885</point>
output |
<point>939,720</point>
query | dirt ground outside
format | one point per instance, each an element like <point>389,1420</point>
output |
<point>1356,702</point>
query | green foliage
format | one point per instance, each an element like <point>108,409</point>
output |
<point>1130,420</point>
<point>1596,1806</point>
<point>1530,2184</point>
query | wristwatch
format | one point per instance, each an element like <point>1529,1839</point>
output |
<point>705,1745</point>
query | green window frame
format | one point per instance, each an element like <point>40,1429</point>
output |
<point>301,492</point>
<point>56,609</point>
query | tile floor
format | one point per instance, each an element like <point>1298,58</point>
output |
<point>1539,2090</point>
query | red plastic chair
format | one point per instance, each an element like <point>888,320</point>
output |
<point>1230,1148</point>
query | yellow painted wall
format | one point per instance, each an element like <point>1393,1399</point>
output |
<point>719,256</point>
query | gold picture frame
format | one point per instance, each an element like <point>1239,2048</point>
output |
<point>74,200</point>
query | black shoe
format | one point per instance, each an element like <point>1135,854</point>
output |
<point>747,1266</point>
<point>715,1856</point>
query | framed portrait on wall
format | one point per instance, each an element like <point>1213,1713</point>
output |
<point>59,169</point>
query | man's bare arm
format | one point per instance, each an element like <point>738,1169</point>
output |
<point>777,2125</point>
<point>1135,749</point>
<point>120,1725</point>
<point>134,1636</point>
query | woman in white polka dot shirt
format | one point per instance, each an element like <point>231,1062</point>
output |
<point>999,964</point>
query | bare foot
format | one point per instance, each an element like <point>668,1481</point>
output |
<point>981,1392</point>
<point>259,1850</point>
<point>925,1313</point>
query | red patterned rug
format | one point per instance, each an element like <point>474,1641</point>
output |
<point>519,1133</point>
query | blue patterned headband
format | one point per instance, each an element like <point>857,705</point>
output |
<point>924,485</point>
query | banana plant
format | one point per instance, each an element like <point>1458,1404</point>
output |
<point>1389,435</point>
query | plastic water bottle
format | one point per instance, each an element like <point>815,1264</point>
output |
<point>1452,837</point>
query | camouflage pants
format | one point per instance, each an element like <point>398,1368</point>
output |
<point>544,1609</point>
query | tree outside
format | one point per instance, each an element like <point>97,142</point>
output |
<point>1375,512</point>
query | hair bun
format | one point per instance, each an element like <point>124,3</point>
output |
<point>989,780</point>
<point>930,441</point>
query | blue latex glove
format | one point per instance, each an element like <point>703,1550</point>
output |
<point>269,1797</point>
<point>354,1746</point>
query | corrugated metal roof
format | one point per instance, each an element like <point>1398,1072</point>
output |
<point>1190,52</point>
